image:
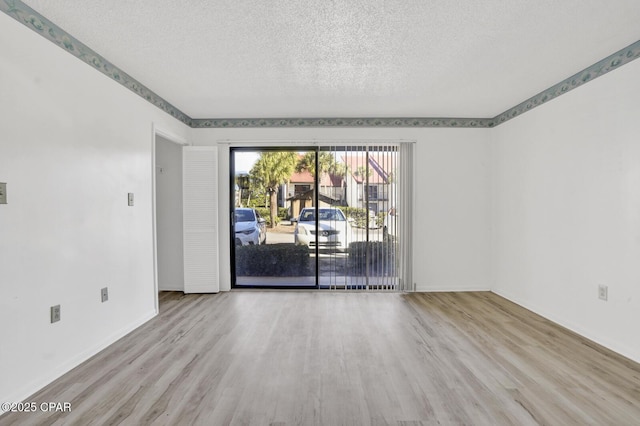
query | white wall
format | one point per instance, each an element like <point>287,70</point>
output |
<point>170,250</point>
<point>451,229</point>
<point>567,209</point>
<point>542,209</point>
<point>73,143</point>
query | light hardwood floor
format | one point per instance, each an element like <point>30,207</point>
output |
<point>341,358</point>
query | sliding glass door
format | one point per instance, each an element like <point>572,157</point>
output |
<point>327,217</point>
<point>366,194</point>
<point>270,187</point>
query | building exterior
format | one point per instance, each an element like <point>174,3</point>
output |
<point>370,180</point>
<point>300,191</point>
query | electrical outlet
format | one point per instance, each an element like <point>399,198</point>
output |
<point>130,198</point>
<point>603,292</point>
<point>55,313</point>
<point>104,294</point>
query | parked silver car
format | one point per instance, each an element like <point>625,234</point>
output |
<point>249,227</point>
<point>333,227</point>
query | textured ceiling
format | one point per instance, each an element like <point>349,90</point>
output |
<point>350,58</point>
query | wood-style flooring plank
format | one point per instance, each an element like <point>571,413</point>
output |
<point>345,358</point>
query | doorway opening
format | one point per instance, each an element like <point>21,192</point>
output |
<point>323,217</point>
<point>166,154</point>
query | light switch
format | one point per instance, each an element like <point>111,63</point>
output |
<point>130,196</point>
<point>3,193</point>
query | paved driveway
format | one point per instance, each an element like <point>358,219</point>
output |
<point>283,233</point>
<point>279,237</point>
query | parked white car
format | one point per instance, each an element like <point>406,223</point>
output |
<point>249,227</point>
<point>333,227</point>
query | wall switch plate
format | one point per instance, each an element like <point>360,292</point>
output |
<point>130,198</point>
<point>603,292</point>
<point>55,314</point>
<point>3,193</point>
<point>104,294</point>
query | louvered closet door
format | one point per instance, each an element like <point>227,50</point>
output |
<point>200,222</point>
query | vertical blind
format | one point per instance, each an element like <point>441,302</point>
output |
<point>373,186</point>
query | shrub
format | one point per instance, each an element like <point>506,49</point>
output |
<point>256,202</point>
<point>359,216</point>
<point>354,212</point>
<point>266,214</point>
<point>378,257</point>
<point>272,260</point>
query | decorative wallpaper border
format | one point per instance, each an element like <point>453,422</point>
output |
<point>41,25</point>
<point>340,122</point>
<point>610,63</point>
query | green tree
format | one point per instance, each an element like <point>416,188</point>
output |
<point>272,170</point>
<point>326,162</point>
<point>363,172</point>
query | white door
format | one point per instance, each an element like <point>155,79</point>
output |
<point>200,223</point>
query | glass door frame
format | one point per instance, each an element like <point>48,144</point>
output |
<point>232,202</point>
<point>404,160</point>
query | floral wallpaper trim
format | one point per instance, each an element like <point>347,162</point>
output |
<point>610,63</point>
<point>38,23</point>
<point>341,122</point>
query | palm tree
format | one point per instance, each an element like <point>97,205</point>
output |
<point>327,163</point>
<point>271,170</point>
<point>363,172</point>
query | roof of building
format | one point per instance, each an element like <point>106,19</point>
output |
<point>380,166</point>
<point>326,179</point>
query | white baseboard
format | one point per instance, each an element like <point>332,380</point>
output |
<point>201,289</point>
<point>442,289</point>
<point>172,289</point>
<point>29,389</point>
<point>612,345</point>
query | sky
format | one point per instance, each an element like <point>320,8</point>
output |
<point>245,160</point>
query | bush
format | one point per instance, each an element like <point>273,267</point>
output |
<point>359,216</point>
<point>256,202</point>
<point>265,212</point>
<point>378,257</point>
<point>272,260</point>
<point>354,212</point>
